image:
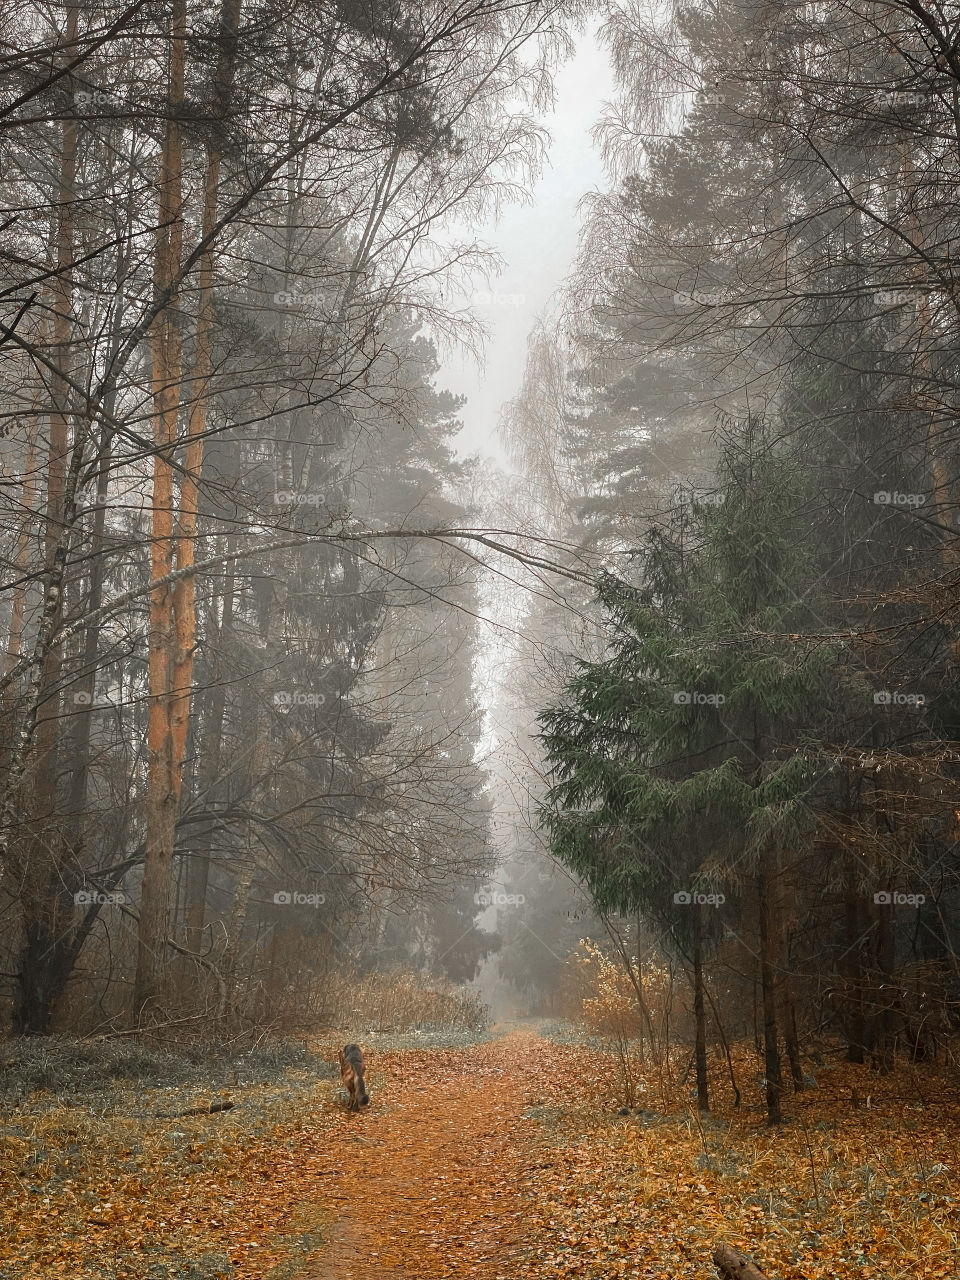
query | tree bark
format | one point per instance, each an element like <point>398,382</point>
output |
<point>184,592</point>
<point>198,867</point>
<point>46,741</point>
<point>786,1001</point>
<point>788,1009</point>
<point>885,996</point>
<point>46,887</point>
<point>163,779</point>
<point>699,1013</point>
<point>82,709</point>
<point>731,1264</point>
<point>771,1048</point>
<point>853,970</point>
<point>255,788</point>
<point>21,560</point>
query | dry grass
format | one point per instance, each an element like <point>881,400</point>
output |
<point>118,1188</point>
<point>405,1001</point>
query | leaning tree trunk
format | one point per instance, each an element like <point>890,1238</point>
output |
<point>791,1039</point>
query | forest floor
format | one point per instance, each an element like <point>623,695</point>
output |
<point>500,1159</point>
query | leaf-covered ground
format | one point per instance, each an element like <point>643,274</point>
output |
<point>504,1160</point>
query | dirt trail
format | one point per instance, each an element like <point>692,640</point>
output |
<point>431,1181</point>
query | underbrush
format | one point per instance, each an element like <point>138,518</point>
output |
<point>403,1001</point>
<point>625,1012</point>
<point>862,1182</point>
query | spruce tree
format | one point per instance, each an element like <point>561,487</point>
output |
<point>686,761</point>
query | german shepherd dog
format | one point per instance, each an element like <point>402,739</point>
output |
<point>351,1073</point>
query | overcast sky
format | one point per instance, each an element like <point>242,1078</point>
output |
<point>537,243</point>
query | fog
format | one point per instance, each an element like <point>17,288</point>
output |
<point>537,243</point>
<point>479,580</point>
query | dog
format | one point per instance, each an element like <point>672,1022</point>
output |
<point>351,1073</point>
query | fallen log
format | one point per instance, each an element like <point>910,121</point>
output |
<point>209,1110</point>
<point>731,1264</point>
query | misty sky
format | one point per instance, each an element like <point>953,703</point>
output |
<point>537,242</point>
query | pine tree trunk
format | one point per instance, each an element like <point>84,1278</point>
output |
<point>45,891</point>
<point>699,1014</point>
<point>786,1002</point>
<point>163,779</point>
<point>184,594</point>
<point>255,788</point>
<point>771,1048</point>
<point>21,561</point>
<point>853,967</point>
<point>885,1017</point>
<point>44,841</point>
<point>238,922</point>
<point>942,466</point>
<point>198,868</point>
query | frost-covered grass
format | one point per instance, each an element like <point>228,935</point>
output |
<point>43,1071</point>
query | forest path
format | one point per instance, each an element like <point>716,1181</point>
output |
<point>429,1178</point>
